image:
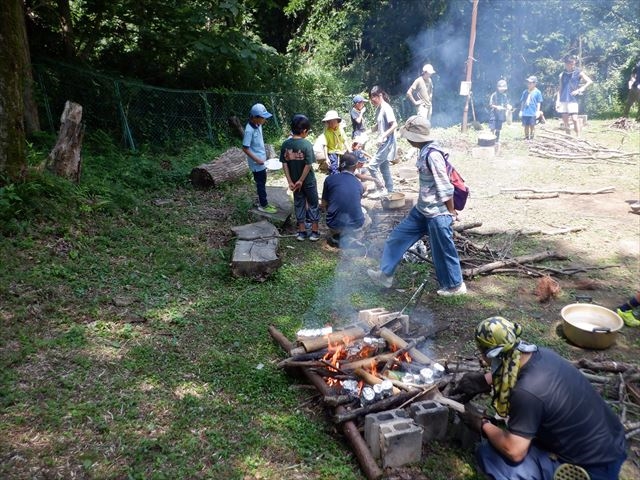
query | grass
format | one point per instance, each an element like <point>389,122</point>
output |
<point>129,351</point>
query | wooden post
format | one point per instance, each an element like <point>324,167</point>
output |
<point>65,159</point>
<point>472,41</point>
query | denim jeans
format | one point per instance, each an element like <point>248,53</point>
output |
<point>261,186</point>
<point>443,250</point>
<point>537,465</point>
<point>305,203</point>
<point>380,163</point>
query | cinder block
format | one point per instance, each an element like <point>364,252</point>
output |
<point>483,152</point>
<point>372,423</point>
<point>461,434</point>
<point>432,417</point>
<point>400,443</point>
<point>371,315</point>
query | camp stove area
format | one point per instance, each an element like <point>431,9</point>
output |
<point>388,397</point>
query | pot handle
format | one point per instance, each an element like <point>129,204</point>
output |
<point>601,330</point>
<point>583,298</point>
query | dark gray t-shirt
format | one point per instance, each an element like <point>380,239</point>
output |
<point>554,404</point>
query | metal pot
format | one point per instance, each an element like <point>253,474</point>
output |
<point>590,326</point>
<point>393,200</point>
<point>486,140</point>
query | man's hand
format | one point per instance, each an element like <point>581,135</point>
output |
<point>472,418</point>
<point>470,385</point>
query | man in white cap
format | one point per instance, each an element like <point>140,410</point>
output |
<point>420,92</point>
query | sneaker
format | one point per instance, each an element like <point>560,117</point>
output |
<point>314,237</point>
<point>628,318</point>
<point>381,192</point>
<point>569,471</point>
<point>380,278</point>
<point>449,292</point>
<point>268,209</point>
<point>301,237</point>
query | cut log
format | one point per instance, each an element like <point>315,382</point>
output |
<point>65,159</point>
<point>340,337</point>
<point>228,167</point>
<point>535,257</point>
<point>256,258</point>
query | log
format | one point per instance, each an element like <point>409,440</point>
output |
<point>566,191</point>
<point>606,366</point>
<point>65,159</point>
<point>535,257</point>
<point>256,258</point>
<point>349,428</point>
<point>339,337</point>
<point>371,379</point>
<point>228,167</point>
<point>399,343</point>
<point>531,231</point>
<point>365,362</point>
<point>536,196</point>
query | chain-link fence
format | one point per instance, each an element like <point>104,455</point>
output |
<point>138,114</point>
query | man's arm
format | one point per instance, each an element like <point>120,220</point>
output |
<point>410,93</point>
<point>587,81</point>
<point>509,445</point>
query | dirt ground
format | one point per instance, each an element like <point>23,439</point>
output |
<point>603,244</point>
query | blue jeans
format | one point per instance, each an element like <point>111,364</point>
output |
<point>380,163</point>
<point>334,163</point>
<point>305,203</point>
<point>261,186</point>
<point>537,465</point>
<point>443,250</point>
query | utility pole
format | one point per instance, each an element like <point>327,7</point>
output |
<point>472,41</point>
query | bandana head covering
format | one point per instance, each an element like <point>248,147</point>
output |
<point>499,340</point>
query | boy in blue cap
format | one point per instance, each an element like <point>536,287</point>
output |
<point>253,146</point>
<point>357,116</point>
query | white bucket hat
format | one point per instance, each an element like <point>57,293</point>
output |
<point>331,115</point>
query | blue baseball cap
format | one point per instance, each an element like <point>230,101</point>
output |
<point>358,99</point>
<point>259,110</point>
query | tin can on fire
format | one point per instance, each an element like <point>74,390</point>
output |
<point>367,396</point>
<point>438,370</point>
<point>387,388</point>
<point>377,389</point>
<point>426,375</point>
<point>350,387</point>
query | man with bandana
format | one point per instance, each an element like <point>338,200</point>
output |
<point>557,426</point>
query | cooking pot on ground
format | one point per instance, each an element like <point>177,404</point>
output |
<point>590,326</point>
<point>486,139</point>
<point>393,200</point>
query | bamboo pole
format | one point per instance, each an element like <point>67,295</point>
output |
<point>349,428</point>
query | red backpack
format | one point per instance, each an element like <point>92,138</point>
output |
<point>460,189</point>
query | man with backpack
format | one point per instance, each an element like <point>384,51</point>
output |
<point>433,215</point>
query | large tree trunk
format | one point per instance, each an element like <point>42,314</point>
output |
<point>31,117</point>
<point>229,166</point>
<point>13,160</point>
<point>65,159</point>
<point>66,28</point>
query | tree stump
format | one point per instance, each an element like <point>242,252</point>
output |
<point>65,159</point>
<point>256,249</point>
<point>229,166</point>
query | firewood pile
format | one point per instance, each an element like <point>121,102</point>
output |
<point>562,146</point>
<point>623,123</point>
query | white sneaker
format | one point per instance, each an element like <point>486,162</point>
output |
<point>382,192</point>
<point>449,292</point>
<point>380,278</point>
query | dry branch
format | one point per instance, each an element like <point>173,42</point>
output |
<point>564,190</point>
<point>524,259</point>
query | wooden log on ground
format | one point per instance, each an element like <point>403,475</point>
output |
<point>65,159</point>
<point>256,258</point>
<point>228,167</point>
<point>535,257</point>
<point>368,464</point>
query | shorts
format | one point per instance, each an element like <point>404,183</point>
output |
<point>567,107</point>
<point>528,120</point>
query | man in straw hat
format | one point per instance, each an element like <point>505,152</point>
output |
<point>557,425</point>
<point>420,92</point>
<point>433,216</point>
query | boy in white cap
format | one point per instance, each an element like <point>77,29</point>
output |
<point>422,88</point>
<point>530,104</point>
<point>253,147</point>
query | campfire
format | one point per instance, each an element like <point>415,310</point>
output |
<point>370,368</point>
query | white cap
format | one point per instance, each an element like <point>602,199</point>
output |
<point>428,68</point>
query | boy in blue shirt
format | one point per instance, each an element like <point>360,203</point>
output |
<point>530,103</point>
<point>253,146</point>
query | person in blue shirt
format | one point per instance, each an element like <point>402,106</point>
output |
<point>341,197</point>
<point>569,88</point>
<point>530,104</point>
<point>253,147</point>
